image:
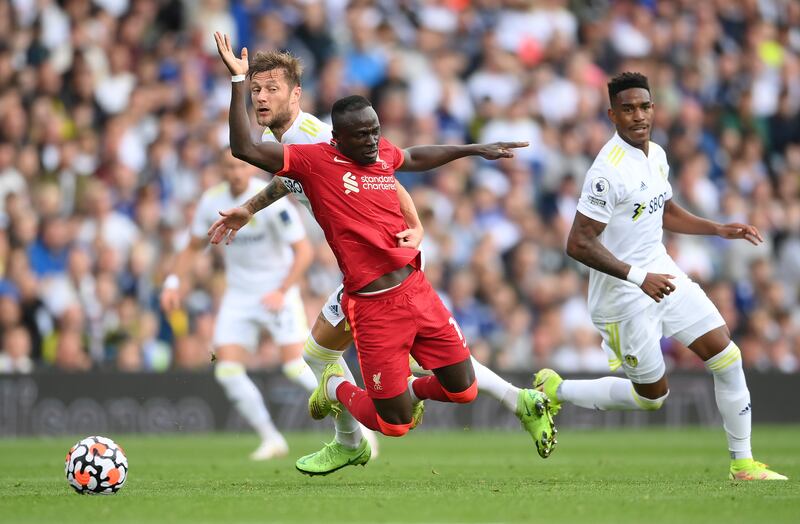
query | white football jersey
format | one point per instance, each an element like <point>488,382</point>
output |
<point>306,129</point>
<point>260,256</point>
<point>627,190</point>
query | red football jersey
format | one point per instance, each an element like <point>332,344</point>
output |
<point>356,206</point>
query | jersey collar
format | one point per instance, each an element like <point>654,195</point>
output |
<point>629,148</point>
<point>293,128</point>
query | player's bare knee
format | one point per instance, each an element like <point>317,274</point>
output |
<point>394,411</point>
<point>458,380</point>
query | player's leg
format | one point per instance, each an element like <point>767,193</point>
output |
<point>632,344</point>
<point>384,329</point>
<point>489,382</point>
<point>495,386</point>
<point>330,337</point>
<point>709,338</point>
<point>230,373</point>
<point>441,347</point>
<point>352,444</point>
<point>236,334</point>
<point>288,329</point>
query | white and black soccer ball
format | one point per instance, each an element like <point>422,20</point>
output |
<point>96,465</point>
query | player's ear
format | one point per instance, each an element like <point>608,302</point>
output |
<point>296,92</point>
<point>612,116</point>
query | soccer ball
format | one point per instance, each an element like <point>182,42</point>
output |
<point>96,465</point>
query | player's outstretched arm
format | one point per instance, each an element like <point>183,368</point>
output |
<point>411,237</point>
<point>423,158</point>
<point>171,294</point>
<point>679,220</point>
<point>267,155</point>
<point>232,220</point>
<point>584,246</point>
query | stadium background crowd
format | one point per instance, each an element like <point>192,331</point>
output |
<point>112,113</point>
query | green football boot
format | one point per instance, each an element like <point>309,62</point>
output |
<point>319,405</point>
<point>749,469</point>
<point>418,411</point>
<point>533,412</point>
<point>332,457</point>
<point>547,381</point>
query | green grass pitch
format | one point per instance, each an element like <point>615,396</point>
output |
<point>647,476</point>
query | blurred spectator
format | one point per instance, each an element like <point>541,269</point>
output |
<point>15,356</point>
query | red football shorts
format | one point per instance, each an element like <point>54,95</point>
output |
<point>407,319</point>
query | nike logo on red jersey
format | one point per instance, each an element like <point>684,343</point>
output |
<point>339,160</point>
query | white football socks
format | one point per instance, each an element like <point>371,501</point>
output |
<point>300,373</point>
<point>733,399</point>
<point>348,430</point>
<point>494,385</point>
<point>607,393</point>
<point>246,398</point>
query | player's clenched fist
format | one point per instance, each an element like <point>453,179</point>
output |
<point>658,285</point>
<point>410,237</point>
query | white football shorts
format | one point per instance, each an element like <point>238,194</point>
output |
<point>635,343</point>
<point>332,310</point>
<point>241,317</point>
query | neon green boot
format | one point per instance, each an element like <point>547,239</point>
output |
<point>533,412</point>
<point>749,469</point>
<point>332,457</point>
<point>547,381</point>
<point>319,405</point>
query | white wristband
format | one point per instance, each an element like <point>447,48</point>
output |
<point>238,78</point>
<point>636,275</point>
<point>172,282</point>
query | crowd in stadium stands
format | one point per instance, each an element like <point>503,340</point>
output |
<point>112,113</point>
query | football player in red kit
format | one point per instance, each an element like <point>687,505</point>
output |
<point>392,309</point>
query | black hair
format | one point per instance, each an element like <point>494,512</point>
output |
<point>346,105</point>
<point>626,80</point>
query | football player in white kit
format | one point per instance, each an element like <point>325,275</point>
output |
<point>262,269</point>
<point>275,91</point>
<point>637,293</point>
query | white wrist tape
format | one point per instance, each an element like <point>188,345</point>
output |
<point>636,275</point>
<point>172,282</point>
<point>238,78</point>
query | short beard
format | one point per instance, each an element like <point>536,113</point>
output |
<point>278,120</point>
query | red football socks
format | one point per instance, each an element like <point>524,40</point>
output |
<point>430,388</point>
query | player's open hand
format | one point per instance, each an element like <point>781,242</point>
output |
<point>499,149</point>
<point>410,237</point>
<point>658,285</point>
<point>229,223</point>
<point>273,300</point>
<point>237,66</point>
<point>735,230</point>
<point>170,300</point>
